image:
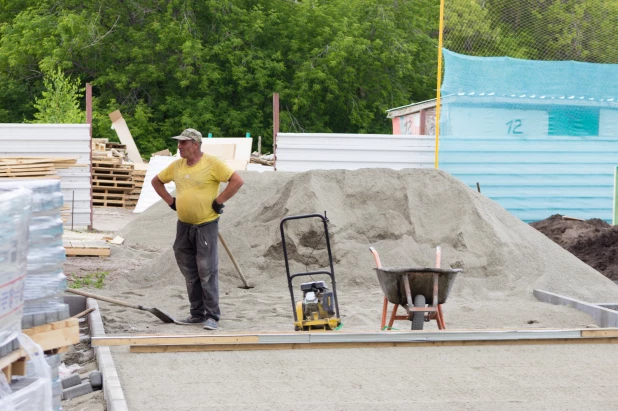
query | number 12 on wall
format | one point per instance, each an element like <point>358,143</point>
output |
<point>514,127</point>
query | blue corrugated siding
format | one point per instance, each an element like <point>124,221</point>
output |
<point>534,178</point>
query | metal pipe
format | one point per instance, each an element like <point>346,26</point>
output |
<point>89,121</point>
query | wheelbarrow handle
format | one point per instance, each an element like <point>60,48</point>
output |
<point>376,256</point>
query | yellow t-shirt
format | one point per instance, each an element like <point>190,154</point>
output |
<point>197,186</point>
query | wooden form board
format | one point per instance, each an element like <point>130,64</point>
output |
<point>124,134</point>
<point>78,247</point>
<point>52,336</point>
<point>277,341</point>
<point>296,346</point>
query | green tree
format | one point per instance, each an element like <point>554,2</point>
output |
<point>167,65</point>
<point>60,101</point>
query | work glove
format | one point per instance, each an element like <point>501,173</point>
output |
<point>217,207</point>
<point>173,205</point>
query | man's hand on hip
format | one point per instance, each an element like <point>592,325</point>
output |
<point>217,207</point>
<point>173,204</point>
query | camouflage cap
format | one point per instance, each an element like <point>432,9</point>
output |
<point>190,134</point>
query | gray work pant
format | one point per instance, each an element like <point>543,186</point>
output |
<point>195,249</point>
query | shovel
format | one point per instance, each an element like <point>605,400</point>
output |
<point>245,284</point>
<point>158,313</point>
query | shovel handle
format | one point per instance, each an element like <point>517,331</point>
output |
<point>229,252</point>
<point>100,297</point>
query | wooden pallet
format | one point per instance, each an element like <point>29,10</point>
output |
<point>119,171</point>
<point>55,337</point>
<point>110,162</point>
<point>111,177</point>
<point>108,203</point>
<point>86,248</point>
<point>112,185</point>
<point>108,196</point>
<point>117,146</point>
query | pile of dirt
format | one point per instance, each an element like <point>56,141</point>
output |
<point>593,241</point>
<point>403,214</point>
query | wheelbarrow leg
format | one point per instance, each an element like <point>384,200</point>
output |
<point>393,315</point>
<point>384,312</point>
<point>441,322</point>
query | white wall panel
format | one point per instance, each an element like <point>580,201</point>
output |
<point>56,140</point>
<point>148,196</point>
<point>312,151</point>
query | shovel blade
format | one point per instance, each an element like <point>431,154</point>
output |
<point>246,286</point>
<point>161,315</point>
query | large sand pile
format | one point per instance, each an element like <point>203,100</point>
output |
<point>404,215</point>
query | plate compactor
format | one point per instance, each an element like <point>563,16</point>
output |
<point>319,308</point>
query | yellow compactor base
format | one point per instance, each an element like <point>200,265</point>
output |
<point>316,323</point>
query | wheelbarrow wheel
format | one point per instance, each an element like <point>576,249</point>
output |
<point>418,318</point>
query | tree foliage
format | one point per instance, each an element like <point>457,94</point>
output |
<point>580,30</point>
<point>213,65</point>
<point>60,102</point>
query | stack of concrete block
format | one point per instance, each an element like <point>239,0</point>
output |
<point>73,386</point>
<point>45,281</point>
<point>39,294</point>
<point>15,217</point>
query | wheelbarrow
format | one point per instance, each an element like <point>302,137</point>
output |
<point>420,290</point>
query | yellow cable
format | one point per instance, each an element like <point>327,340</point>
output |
<point>439,81</point>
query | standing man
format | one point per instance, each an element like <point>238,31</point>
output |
<point>197,177</point>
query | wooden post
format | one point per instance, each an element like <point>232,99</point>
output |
<point>275,126</point>
<point>615,208</point>
<point>89,121</point>
<point>259,145</point>
<point>438,102</point>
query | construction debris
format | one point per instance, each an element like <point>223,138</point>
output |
<point>264,159</point>
<point>124,135</point>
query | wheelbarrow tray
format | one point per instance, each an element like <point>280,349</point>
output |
<point>392,283</point>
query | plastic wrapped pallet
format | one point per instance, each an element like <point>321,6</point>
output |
<point>29,393</point>
<point>15,214</point>
<point>45,280</point>
<point>54,363</point>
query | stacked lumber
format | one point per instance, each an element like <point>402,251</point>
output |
<point>34,167</point>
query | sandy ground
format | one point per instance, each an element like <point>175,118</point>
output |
<point>555,377</point>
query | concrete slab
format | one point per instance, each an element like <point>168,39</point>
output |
<point>77,390</point>
<point>71,381</point>
<point>539,377</point>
